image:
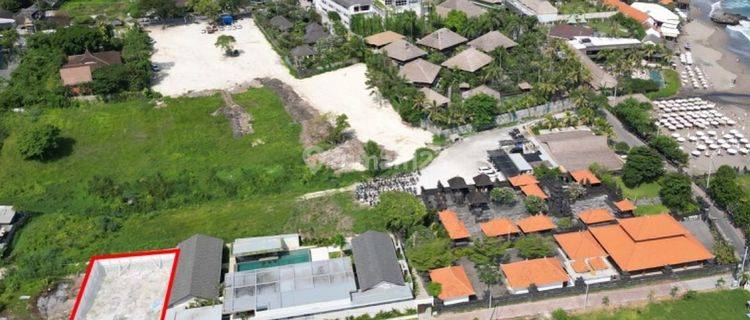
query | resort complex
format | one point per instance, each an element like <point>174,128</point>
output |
<point>374,159</point>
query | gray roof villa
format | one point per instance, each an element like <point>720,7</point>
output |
<point>403,51</point>
<point>434,97</point>
<point>375,260</point>
<point>442,39</point>
<point>491,41</point>
<point>469,8</point>
<point>469,60</point>
<point>420,71</point>
<point>198,269</point>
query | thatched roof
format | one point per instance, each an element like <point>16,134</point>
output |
<point>420,71</point>
<point>383,38</point>
<point>491,41</point>
<point>403,51</point>
<point>302,51</point>
<point>313,33</point>
<point>481,89</point>
<point>468,60</point>
<point>442,39</point>
<point>281,23</point>
<point>434,97</point>
<point>469,8</point>
<point>525,86</point>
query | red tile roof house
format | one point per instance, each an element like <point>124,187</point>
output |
<point>80,68</point>
<point>543,273</point>
<point>455,285</point>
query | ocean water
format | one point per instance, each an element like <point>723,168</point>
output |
<point>739,34</point>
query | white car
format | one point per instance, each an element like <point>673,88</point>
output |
<point>487,170</point>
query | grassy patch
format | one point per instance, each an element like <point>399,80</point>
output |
<point>85,8</point>
<point>132,140</point>
<point>650,209</point>
<point>579,6</point>
<point>671,85</point>
<point>646,190</point>
<point>725,305</point>
<point>744,181</point>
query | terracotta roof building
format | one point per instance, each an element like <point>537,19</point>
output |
<point>628,10</point>
<point>625,205</point>
<point>584,176</point>
<point>534,190</point>
<point>383,38</point>
<point>537,223</point>
<point>544,273</point>
<point>79,68</point>
<point>491,41</point>
<point>650,242</point>
<point>403,51</point>
<point>469,60</point>
<point>469,8</point>
<point>522,180</point>
<point>594,216</point>
<point>456,229</point>
<point>442,39</point>
<point>499,227</point>
<point>584,257</point>
<point>455,284</point>
<point>420,71</point>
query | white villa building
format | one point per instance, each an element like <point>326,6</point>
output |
<point>348,8</point>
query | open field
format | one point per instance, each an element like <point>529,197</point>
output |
<point>236,187</point>
<point>650,209</point>
<point>85,8</point>
<point>724,305</point>
<point>336,92</point>
<point>646,190</point>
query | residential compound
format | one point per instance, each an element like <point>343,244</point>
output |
<point>271,277</point>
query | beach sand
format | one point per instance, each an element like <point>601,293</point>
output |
<point>709,44</point>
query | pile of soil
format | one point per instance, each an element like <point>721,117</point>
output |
<point>57,302</point>
<point>239,119</point>
<point>314,126</point>
<point>345,157</point>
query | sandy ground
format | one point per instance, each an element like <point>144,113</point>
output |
<point>698,34</point>
<point>463,158</point>
<point>190,62</point>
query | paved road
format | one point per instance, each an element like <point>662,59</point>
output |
<point>621,297</point>
<point>720,218</point>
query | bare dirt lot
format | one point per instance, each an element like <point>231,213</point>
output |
<point>191,63</point>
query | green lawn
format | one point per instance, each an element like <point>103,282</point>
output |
<point>720,305</point>
<point>646,190</point>
<point>671,87</point>
<point>579,6</point>
<point>744,180</point>
<point>650,209</point>
<point>85,8</point>
<point>237,187</point>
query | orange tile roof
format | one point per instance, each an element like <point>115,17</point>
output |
<point>456,229</point>
<point>652,227</point>
<point>580,266</point>
<point>598,263</point>
<point>534,190</point>
<point>454,282</point>
<point>540,272</point>
<point>579,245</point>
<point>596,216</point>
<point>655,250</point>
<point>625,205</point>
<point>522,180</point>
<point>499,227</point>
<point>581,176</point>
<point>627,10</point>
<point>536,223</point>
<point>666,2</point>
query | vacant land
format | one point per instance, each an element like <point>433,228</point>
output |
<point>646,190</point>
<point>343,91</point>
<point>86,8</point>
<point>725,305</point>
<point>172,172</point>
<point>650,209</point>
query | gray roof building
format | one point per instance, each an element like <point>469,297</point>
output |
<point>375,260</point>
<point>420,71</point>
<point>469,60</point>
<point>349,3</point>
<point>281,23</point>
<point>442,39</point>
<point>481,89</point>
<point>302,51</point>
<point>198,269</point>
<point>434,97</point>
<point>491,41</point>
<point>403,51</point>
<point>313,33</point>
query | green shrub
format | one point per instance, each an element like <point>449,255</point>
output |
<point>38,142</point>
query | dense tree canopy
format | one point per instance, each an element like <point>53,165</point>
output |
<point>38,142</point>
<point>676,193</point>
<point>534,246</point>
<point>401,211</point>
<point>643,165</point>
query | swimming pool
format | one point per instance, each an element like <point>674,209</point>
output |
<point>657,77</point>
<point>286,258</point>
